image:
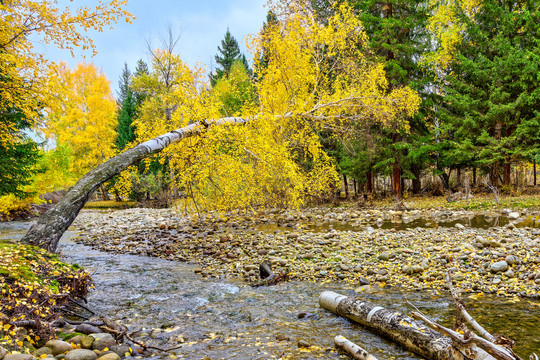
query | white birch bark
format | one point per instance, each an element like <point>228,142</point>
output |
<point>50,226</point>
<point>402,329</point>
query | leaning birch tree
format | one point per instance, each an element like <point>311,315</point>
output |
<point>317,78</point>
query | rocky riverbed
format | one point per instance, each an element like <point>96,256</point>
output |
<point>324,245</point>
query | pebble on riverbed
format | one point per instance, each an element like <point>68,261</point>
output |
<point>501,260</point>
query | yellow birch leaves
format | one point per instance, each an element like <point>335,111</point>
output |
<point>317,77</point>
<point>84,115</point>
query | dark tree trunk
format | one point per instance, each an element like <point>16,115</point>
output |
<point>346,184</point>
<point>494,175</point>
<point>396,171</point>
<point>534,171</point>
<point>50,226</point>
<point>474,176</point>
<point>417,181</point>
<point>355,187</point>
<point>104,193</point>
<point>369,181</point>
<point>507,165</point>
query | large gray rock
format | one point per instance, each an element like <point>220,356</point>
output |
<point>513,215</point>
<point>102,341</point>
<point>499,266</point>
<point>58,346</point>
<point>81,354</point>
<point>3,352</point>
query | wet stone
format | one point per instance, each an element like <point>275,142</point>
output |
<point>81,354</point>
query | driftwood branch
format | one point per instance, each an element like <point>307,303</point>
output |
<point>353,350</point>
<point>461,308</point>
<point>498,352</point>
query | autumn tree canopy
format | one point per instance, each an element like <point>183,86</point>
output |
<point>316,77</point>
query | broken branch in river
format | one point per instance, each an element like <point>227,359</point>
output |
<point>353,350</point>
<point>402,329</point>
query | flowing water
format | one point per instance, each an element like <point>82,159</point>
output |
<point>211,319</point>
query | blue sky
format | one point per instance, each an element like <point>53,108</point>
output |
<point>201,24</point>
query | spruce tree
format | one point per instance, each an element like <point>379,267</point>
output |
<point>228,53</point>
<point>127,111</point>
<point>492,96</point>
<point>398,38</point>
<point>18,153</point>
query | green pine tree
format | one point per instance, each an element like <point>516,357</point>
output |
<point>127,111</point>
<point>18,154</point>
<point>492,96</point>
<point>228,53</point>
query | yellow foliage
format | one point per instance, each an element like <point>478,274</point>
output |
<point>317,78</point>
<point>10,203</point>
<point>446,28</point>
<point>83,116</point>
<point>26,22</point>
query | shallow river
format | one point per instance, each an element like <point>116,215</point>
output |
<point>171,306</point>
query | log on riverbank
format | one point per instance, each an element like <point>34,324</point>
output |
<point>400,328</point>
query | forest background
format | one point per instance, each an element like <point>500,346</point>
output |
<point>386,98</point>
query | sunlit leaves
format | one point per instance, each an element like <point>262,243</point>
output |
<point>83,115</point>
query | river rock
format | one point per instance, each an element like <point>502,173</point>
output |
<point>513,215</point>
<point>3,352</point>
<point>87,329</point>
<point>121,350</point>
<point>86,342</point>
<point>76,339</point>
<point>81,354</point>
<point>58,346</point>
<point>509,273</point>
<point>250,267</point>
<point>417,269</point>
<point>43,350</point>
<point>102,341</point>
<point>110,356</point>
<point>406,269</point>
<point>460,226</point>
<point>19,357</point>
<point>385,256</point>
<point>499,266</point>
<point>303,344</point>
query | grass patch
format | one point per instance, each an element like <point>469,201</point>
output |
<point>478,202</point>
<point>110,204</point>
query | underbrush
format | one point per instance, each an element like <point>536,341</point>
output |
<point>36,287</point>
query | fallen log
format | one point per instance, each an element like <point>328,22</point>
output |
<point>402,329</point>
<point>353,350</point>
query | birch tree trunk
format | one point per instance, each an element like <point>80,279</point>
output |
<point>402,329</point>
<point>50,226</point>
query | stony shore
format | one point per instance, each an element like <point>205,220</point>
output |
<point>318,245</point>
